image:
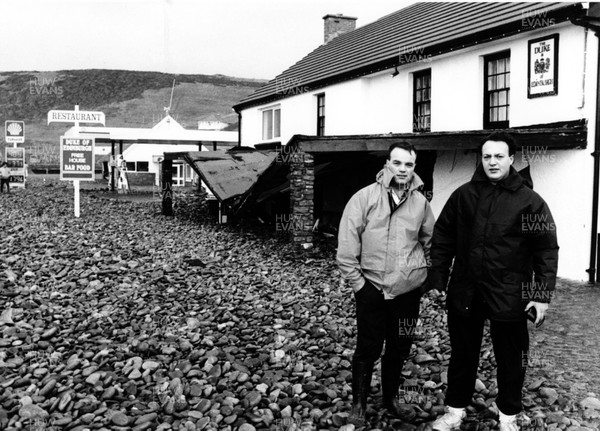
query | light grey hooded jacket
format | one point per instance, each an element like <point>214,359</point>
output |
<point>391,250</point>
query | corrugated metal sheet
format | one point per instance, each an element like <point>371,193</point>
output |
<point>230,174</point>
<point>421,25</point>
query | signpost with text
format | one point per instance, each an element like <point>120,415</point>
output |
<point>76,153</point>
<point>77,159</point>
<point>15,132</point>
<point>15,161</point>
<point>77,163</point>
<point>76,117</point>
<point>15,157</point>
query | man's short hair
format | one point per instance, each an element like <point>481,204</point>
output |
<point>507,138</point>
<point>403,145</point>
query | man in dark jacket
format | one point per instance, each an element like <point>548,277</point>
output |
<point>499,237</point>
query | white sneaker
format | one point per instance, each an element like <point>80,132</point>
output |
<point>508,422</point>
<point>450,421</point>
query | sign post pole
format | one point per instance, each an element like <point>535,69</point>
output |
<point>76,181</point>
<point>76,203</point>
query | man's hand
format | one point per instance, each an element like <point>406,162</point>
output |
<point>540,308</point>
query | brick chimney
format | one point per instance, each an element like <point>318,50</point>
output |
<point>337,24</point>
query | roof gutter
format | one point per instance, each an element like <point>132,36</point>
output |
<point>593,23</point>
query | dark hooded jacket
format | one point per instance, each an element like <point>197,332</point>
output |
<point>503,241</point>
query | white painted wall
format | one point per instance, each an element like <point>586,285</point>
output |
<point>562,178</point>
<point>382,104</point>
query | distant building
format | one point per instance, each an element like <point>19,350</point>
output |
<point>144,148</point>
<point>211,122</point>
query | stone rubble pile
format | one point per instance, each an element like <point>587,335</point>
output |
<point>127,320</point>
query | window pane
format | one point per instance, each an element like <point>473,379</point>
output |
<point>277,125</point>
<point>500,81</point>
<point>130,166</point>
<point>502,98</point>
<point>494,99</point>
<point>502,114</point>
<point>491,83</point>
<point>501,65</point>
<point>494,114</point>
<point>142,166</point>
<point>507,80</point>
<point>268,124</point>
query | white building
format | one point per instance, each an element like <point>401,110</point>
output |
<point>211,122</point>
<point>144,148</point>
<point>443,76</point>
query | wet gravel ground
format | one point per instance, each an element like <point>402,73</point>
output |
<point>125,319</point>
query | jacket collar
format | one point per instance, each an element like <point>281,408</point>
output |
<point>512,182</point>
<point>384,177</point>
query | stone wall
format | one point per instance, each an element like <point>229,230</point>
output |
<point>302,181</point>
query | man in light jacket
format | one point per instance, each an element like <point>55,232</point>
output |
<point>383,253</point>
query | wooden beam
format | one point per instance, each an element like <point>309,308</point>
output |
<point>555,138</point>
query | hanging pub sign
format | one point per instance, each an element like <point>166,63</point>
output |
<point>542,66</point>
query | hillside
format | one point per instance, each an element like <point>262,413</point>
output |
<point>128,98</point>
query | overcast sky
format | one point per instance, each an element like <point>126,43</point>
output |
<point>244,38</point>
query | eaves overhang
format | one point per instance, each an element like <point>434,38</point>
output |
<point>555,136</point>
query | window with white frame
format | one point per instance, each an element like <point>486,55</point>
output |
<point>496,103</point>
<point>271,123</point>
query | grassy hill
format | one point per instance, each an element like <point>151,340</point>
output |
<point>128,98</point>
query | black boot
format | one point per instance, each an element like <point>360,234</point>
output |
<point>362,372</point>
<point>390,382</point>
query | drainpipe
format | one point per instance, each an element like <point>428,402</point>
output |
<point>239,129</point>
<point>592,22</point>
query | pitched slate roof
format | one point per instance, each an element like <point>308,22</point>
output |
<point>423,28</point>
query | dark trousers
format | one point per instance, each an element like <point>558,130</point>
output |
<point>510,341</point>
<point>4,181</point>
<point>393,321</point>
